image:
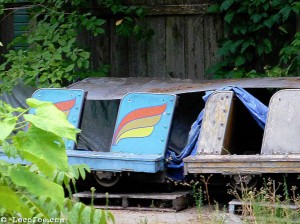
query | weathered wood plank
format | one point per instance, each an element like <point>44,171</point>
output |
<point>194,47</point>
<point>140,201</point>
<point>282,127</point>
<point>156,48</point>
<point>137,57</point>
<point>159,8</point>
<point>215,136</point>
<point>6,31</point>
<point>176,9</point>
<point>175,47</point>
<point>118,52</point>
<point>213,31</point>
<point>242,164</point>
<point>100,48</point>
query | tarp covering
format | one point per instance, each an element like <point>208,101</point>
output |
<point>257,110</point>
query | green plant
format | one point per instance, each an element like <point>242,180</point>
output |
<point>198,198</point>
<point>143,221</point>
<point>132,23</point>
<point>218,217</point>
<point>35,191</point>
<point>267,205</point>
<point>51,56</point>
<point>255,32</point>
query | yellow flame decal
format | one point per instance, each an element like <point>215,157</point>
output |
<point>136,133</point>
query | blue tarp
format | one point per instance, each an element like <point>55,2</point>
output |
<point>257,109</point>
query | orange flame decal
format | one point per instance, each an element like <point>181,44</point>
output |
<point>139,123</point>
<point>65,106</point>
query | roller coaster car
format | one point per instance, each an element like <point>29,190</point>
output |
<point>218,151</point>
<point>139,139</point>
<point>128,125</point>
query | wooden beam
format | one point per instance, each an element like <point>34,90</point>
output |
<point>162,10</point>
<point>194,9</point>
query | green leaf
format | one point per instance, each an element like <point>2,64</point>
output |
<point>34,103</point>
<point>259,49</point>
<point>42,165</point>
<point>236,74</point>
<point>9,149</point>
<point>7,125</point>
<point>246,44</point>
<point>37,185</point>
<point>226,5</point>
<point>234,46</point>
<point>268,45</point>
<point>215,8</point>
<point>83,168</point>
<point>86,215</point>
<point>97,215</point>
<point>256,17</point>
<point>85,54</point>
<point>229,16</point>
<point>50,119</point>
<point>11,202</point>
<point>240,60</point>
<point>38,146</point>
<point>100,22</point>
<point>70,68</point>
<point>110,216</point>
<point>285,12</point>
<point>74,214</point>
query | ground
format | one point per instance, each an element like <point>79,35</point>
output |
<point>188,216</point>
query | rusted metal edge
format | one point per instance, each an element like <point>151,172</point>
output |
<point>110,88</point>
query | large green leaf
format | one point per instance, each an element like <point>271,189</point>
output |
<point>226,5</point>
<point>37,185</point>
<point>10,201</point>
<point>7,125</point>
<point>47,117</point>
<point>35,103</point>
<point>39,146</point>
<point>43,166</point>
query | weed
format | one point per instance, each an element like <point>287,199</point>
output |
<point>106,200</point>
<point>93,196</point>
<point>152,204</point>
<point>267,205</point>
<point>205,182</point>
<point>218,217</point>
<point>143,221</point>
<point>198,197</point>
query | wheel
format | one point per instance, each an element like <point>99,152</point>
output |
<point>107,179</point>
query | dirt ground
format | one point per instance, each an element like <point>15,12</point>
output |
<point>187,216</point>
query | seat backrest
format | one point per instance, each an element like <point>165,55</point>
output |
<point>69,101</point>
<point>282,129</point>
<point>143,123</point>
<point>215,134</point>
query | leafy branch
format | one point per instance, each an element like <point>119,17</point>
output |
<point>36,189</point>
<point>51,55</point>
<point>258,38</point>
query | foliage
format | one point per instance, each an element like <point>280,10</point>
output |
<point>256,31</point>
<point>52,56</point>
<point>269,204</point>
<point>130,24</point>
<point>35,191</point>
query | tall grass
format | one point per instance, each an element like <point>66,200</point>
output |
<point>273,203</point>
